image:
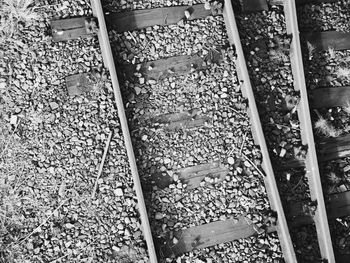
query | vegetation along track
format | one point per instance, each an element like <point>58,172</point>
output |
<point>196,143</point>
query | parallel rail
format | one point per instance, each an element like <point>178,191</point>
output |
<point>109,61</point>
<point>270,182</point>
<point>234,229</point>
<point>311,164</point>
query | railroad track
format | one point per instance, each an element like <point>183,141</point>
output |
<point>150,72</point>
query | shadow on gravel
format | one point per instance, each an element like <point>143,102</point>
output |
<point>318,75</point>
<point>267,53</point>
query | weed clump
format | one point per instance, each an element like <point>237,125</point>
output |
<point>343,73</point>
<point>14,13</point>
<point>325,128</point>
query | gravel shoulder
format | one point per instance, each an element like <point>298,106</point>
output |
<point>58,142</point>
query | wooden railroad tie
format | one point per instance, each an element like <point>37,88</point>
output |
<point>260,5</point>
<point>180,120</point>
<point>165,67</point>
<point>79,84</point>
<point>328,39</point>
<point>73,28</point>
<point>139,19</point>
<point>254,5</point>
<point>193,176</point>
<point>337,205</point>
<point>208,235</point>
<point>328,97</point>
<point>180,242</point>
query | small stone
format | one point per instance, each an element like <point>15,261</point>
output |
<point>167,160</point>
<point>13,119</point>
<point>230,160</point>
<point>115,248</point>
<point>175,240</point>
<point>69,226</point>
<point>127,232</point>
<point>187,14</point>
<point>2,85</point>
<point>137,90</point>
<point>118,192</point>
<point>120,226</point>
<point>142,80</point>
<point>89,142</point>
<point>53,105</point>
<point>288,176</point>
<point>283,152</point>
<point>159,216</point>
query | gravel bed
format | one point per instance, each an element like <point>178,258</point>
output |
<point>215,93</point>
<point>340,234</point>
<point>327,68</point>
<point>294,185</point>
<point>324,17</point>
<point>62,140</point>
<point>306,249</point>
<point>267,54</point>
<point>336,175</point>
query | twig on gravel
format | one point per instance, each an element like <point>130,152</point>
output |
<point>236,111</point>
<point>243,143</point>
<point>253,164</point>
<point>101,164</point>
<point>131,35</point>
<point>247,158</point>
<point>44,222</point>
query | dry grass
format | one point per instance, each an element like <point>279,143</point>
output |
<point>127,255</point>
<point>14,13</point>
<point>343,73</point>
<point>17,200</point>
<point>325,128</point>
<point>331,52</point>
<point>279,54</point>
<point>311,49</point>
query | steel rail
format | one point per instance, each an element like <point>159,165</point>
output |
<point>109,63</point>
<point>312,169</point>
<point>270,182</point>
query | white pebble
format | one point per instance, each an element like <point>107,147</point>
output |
<point>230,160</point>
<point>118,192</point>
